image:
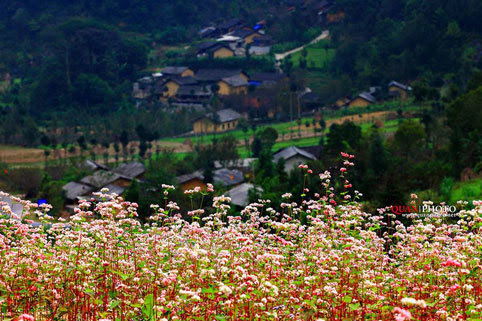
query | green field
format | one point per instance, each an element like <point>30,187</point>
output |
<point>316,57</point>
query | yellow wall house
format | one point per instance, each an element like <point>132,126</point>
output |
<point>222,52</point>
<point>177,71</point>
<point>247,35</point>
<point>234,85</point>
<point>362,100</point>
<point>397,89</point>
<point>222,121</point>
<point>172,85</point>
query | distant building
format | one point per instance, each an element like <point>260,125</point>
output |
<point>215,49</point>
<point>228,177</point>
<point>190,181</point>
<point>233,85</point>
<point>363,100</point>
<point>194,94</point>
<point>177,71</point>
<point>396,89</point>
<point>293,156</point>
<point>248,36</point>
<point>16,208</point>
<point>267,79</point>
<point>73,190</point>
<point>171,85</point>
<point>222,121</point>
<point>230,25</point>
<point>240,194</point>
<point>215,75</point>
<point>103,178</point>
<point>131,170</point>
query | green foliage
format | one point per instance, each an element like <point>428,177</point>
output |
<point>465,119</point>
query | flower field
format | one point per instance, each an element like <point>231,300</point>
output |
<point>339,264</point>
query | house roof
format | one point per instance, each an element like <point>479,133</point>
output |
<point>189,177</point>
<point>130,170</point>
<point>183,80</point>
<point>91,165</point>
<point>218,46</point>
<point>240,194</point>
<point>237,163</point>
<point>367,96</point>
<point>100,178</point>
<point>225,115</point>
<point>267,77</point>
<point>15,207</point>
<point>196,90</point>
<point>399,85</point>
<point>74,190</point>
<point>206,45</point>
<point>228,177</point>
<point>242,33</point>
<point>174,70</point>
<point>119,190</point>
<point>235,81</point>
<point>230,23</point>
<point>215,74</point>
<point>290,152</point>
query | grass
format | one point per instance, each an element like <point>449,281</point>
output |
<point>467,191</point>
<point>315,58</point>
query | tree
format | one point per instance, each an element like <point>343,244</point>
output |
<point>409,137</point>
<point>464,117</point>
<point>132,194</point>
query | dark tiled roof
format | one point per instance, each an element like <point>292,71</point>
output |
<point>399,85</point>
<point>367,96</point>
<point>228,177</point>
<point>206,45</point>
<point>130,170</point>
<point>189,177</point>
<point>290,152</point>
<point>215,74</point>
<point>267,76</point>
<point>230,23</point>
<point>74,189</point>
<point>183,80</point>
<point>235,81</point>
<point>218,46</point>
<point>241,33</point>
<point>240,194</point>
<point>91,165</point>
<point>174,70</point>
<point>100,179</point>
<point>225,115</point>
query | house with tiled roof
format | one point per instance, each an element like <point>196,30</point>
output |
<point>233,85</point>
<point>364,99</point>
<point>214,49</point>
<point>293,156</point>
<point>177,71</point>
<point>218,122</point>
<point>396,89</point>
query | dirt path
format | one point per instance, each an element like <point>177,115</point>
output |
<point>278,57</point>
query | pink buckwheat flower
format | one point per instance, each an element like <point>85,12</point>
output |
<point>452,262</point>
<point>26,317</point>
<point>402,314</point>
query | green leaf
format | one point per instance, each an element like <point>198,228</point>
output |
<point>148,307</point>
<point>354,306</point>
<point>347,299</point>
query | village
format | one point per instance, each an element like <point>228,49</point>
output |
<point>227,99</point>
